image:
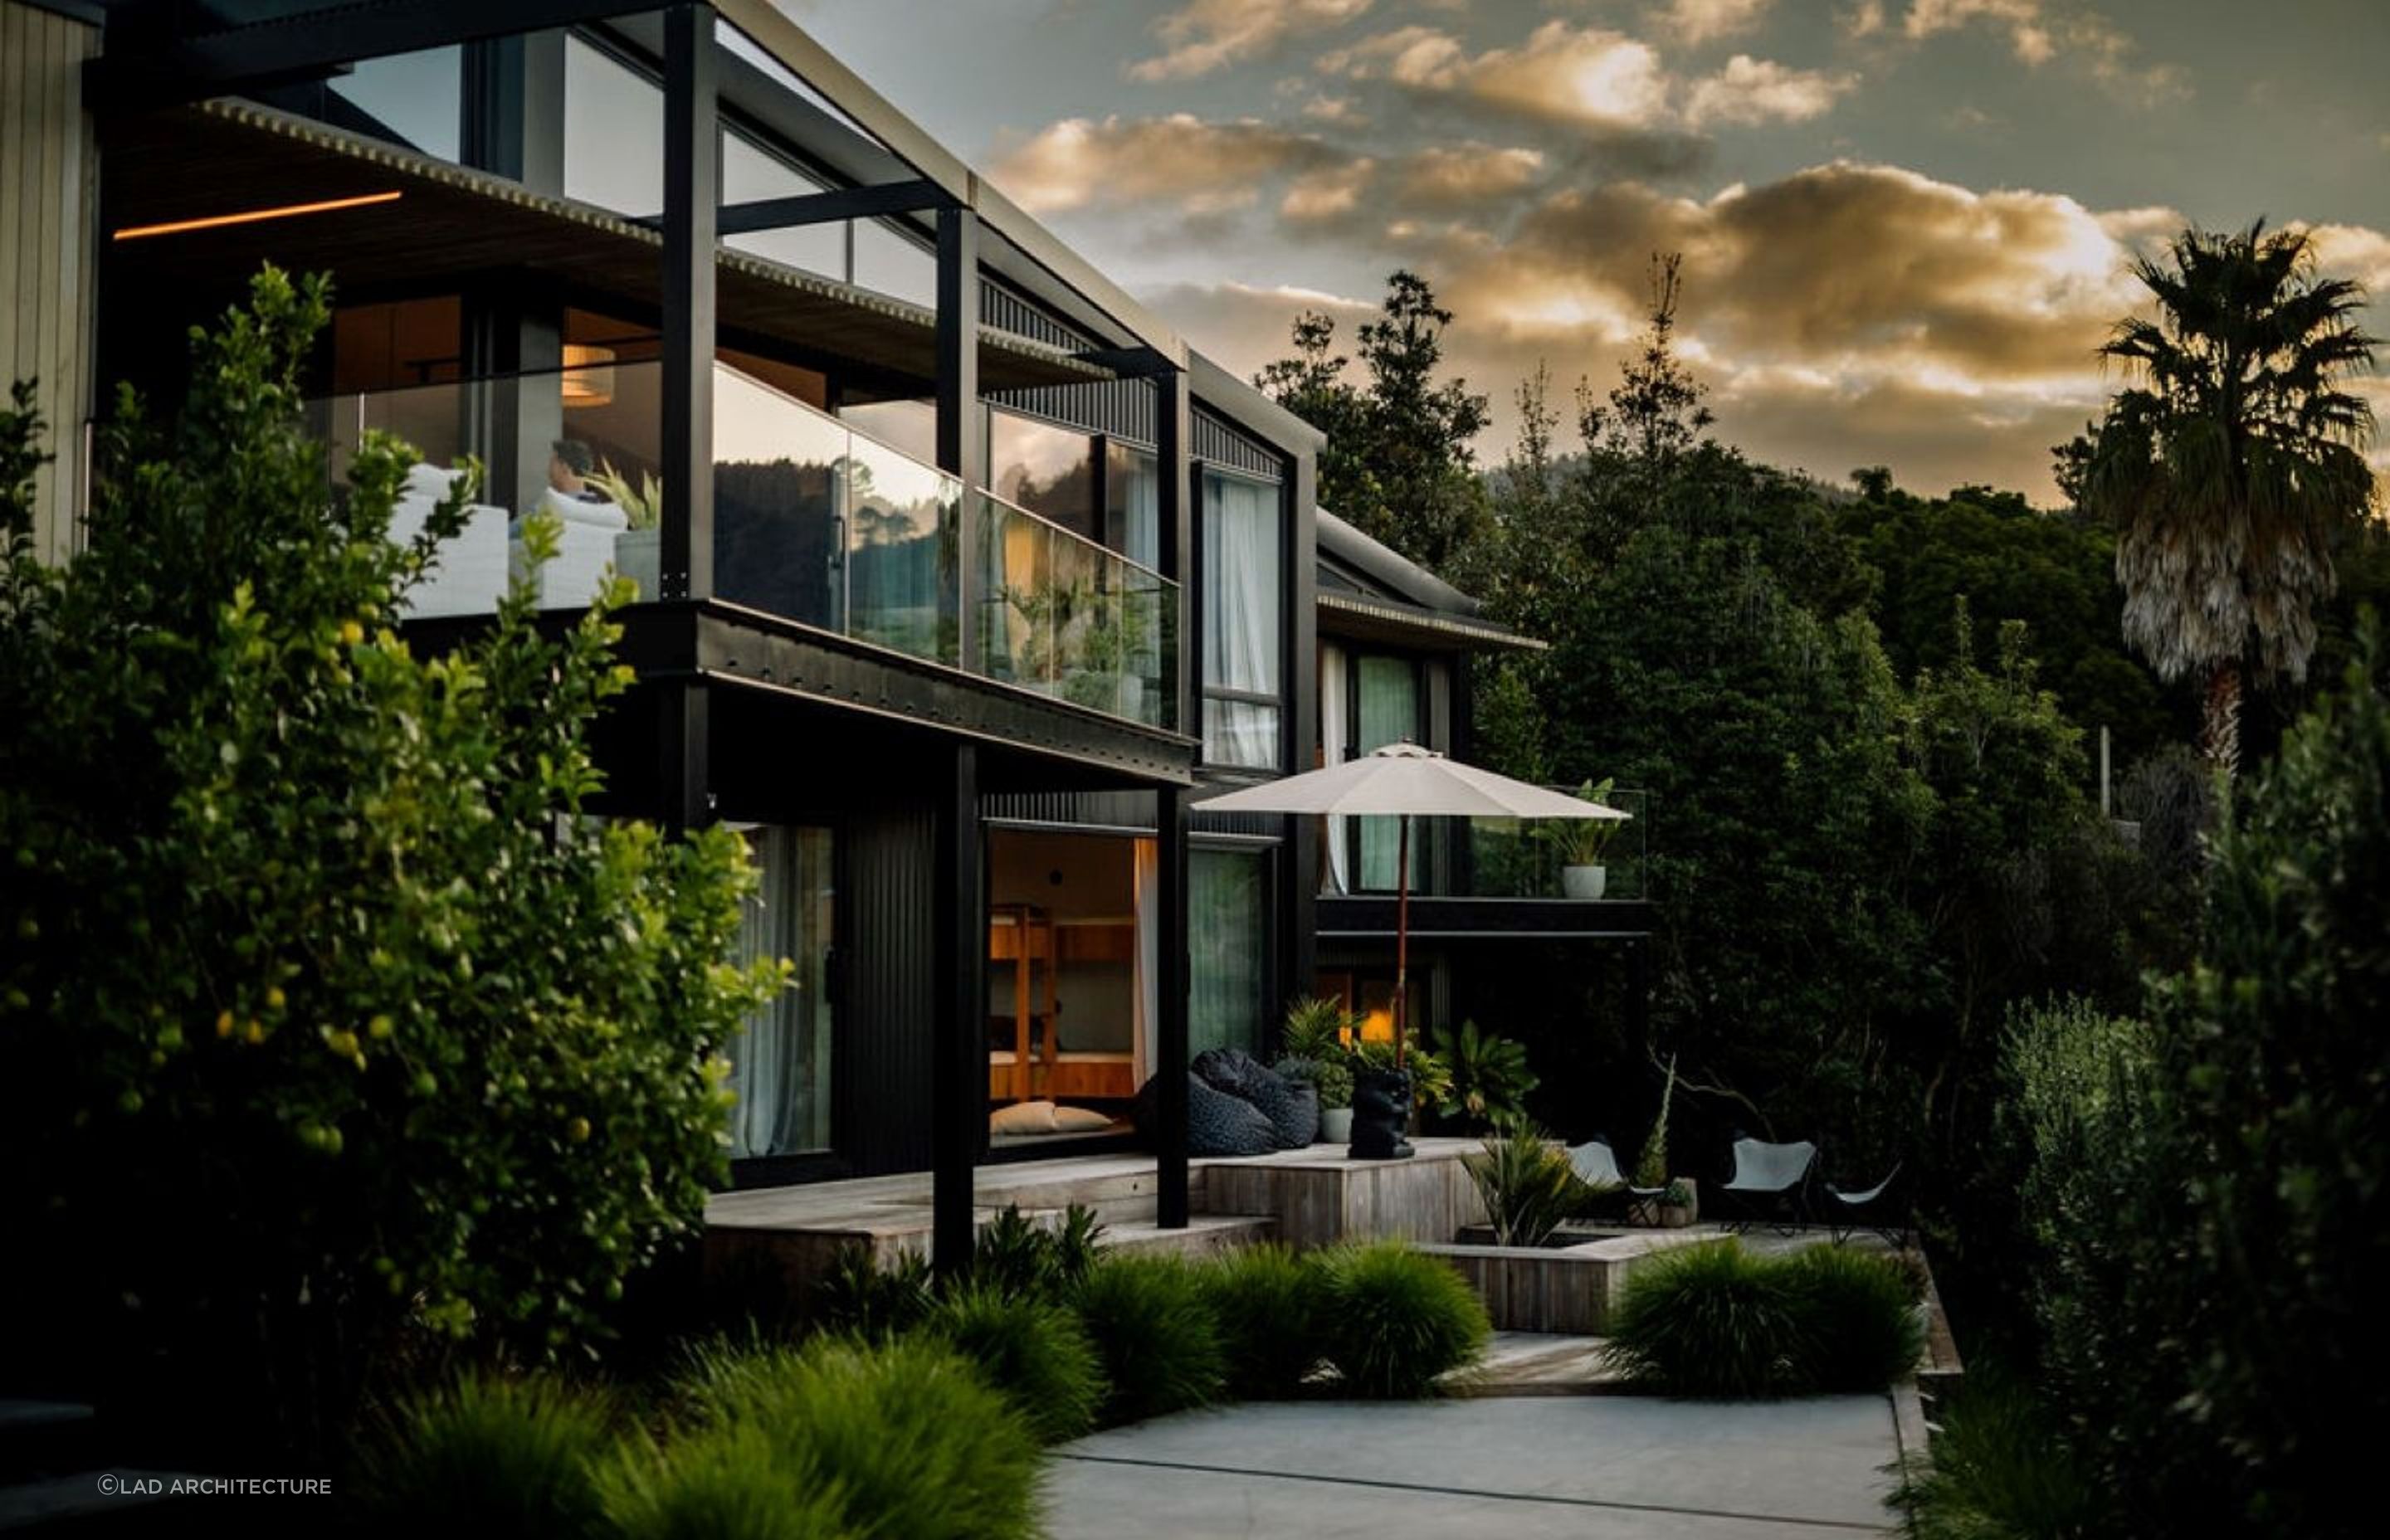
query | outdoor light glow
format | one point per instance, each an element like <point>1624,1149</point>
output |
<point>252,216</point>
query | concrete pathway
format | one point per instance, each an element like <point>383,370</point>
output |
<point>1587,1467</point>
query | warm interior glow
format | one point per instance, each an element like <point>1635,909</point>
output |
<point>1378,1026</point>
<point>252,216</point>
<point>588,375</point>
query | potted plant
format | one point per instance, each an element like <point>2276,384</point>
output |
<point>638,550</point>
<point>1581,844</point>
<point>1670,1203</point>
<point>1317,1032</point>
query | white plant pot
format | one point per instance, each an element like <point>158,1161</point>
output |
<point>1336,1126</point>
<point>1584,881</point>
<point>639,554</point>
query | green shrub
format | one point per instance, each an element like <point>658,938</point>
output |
<point>1490,1078</point>
<point>1154,1327</point>
<point>913,1440</point>
<point>1856,1325</point>
<point>1707,1320</point>
<point>1999,1471</point>
<point>488,1455</point>
<point>1266,1302</point>
<point>1527,1182</point>
<point>723,1483</point>
<point>308,936</point>
<point>860,1298</point>
<point>1034,1350</point>
<point>1395,1319</point>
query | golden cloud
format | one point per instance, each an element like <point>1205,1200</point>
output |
<point>1204,35</point>
<point>1200,165</point>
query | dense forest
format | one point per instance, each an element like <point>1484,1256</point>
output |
<point>1867,720</point>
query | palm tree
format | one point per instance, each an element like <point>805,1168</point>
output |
<point>2231,468</point>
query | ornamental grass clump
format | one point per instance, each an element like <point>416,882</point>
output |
<point>485,1454</point>
<point>1857,1327</point>
<point>1034,1350</point>
<point>1526,1182</point>
<point>1394,1320</point>
<point>724,1483</point>
<point>1154,1327</point>
<point>1707,1320</point>
<point>913,1440</point>
<point>1268,1304</point>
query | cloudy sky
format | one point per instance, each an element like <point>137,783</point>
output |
<point>1904,222</point>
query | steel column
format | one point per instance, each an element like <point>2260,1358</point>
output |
<point>1171,998</point>
<point>958,1053</point>
<point>692,196</point>
<point>962,427</point>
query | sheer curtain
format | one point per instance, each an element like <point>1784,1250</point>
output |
<point>1331,751</point>
<point>1241,616</point>
<point>1388,712</point>
<point>779,1064</point>
<point>1146,986</point>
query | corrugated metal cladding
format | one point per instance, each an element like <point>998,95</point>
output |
<point>1099,809</point>
<point>1123,408</point>
<point>47,247</point>
<point>1219,442</point>
<point>884,1032</point>
<point>1269,825</point>
<point>1007,311</point>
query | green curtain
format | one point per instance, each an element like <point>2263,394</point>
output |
<point>1389,706</point>
<point>1228,938</point>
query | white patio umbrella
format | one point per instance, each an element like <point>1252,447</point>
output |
<point>1405,781</point>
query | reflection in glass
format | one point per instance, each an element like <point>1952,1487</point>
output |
<point>751,174</point>
<point>416,98</point>
<point>1046,470</point>
<point>613,133</point>
<point>779,545</point>
<point>903,522</point>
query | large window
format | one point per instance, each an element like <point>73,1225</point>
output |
<point>613,133</point>
<point>1047,469</point>
<point>780,1063</point>
<point>418,96</point>
<point>1243,610</point>
<point>1133,504</point>
<point>1227,941</point>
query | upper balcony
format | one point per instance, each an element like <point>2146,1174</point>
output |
<point>814,521</point>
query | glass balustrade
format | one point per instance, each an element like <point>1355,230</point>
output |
<point>1066,617</point>
<point>814,521</point>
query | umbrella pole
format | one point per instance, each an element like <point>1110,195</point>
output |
<point>1402,934</point>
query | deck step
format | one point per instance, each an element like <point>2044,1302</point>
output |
<point>1205,1234</point>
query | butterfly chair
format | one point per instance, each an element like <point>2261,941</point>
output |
<point>1770,1181</point>
<point>1597,1166</point>
<point>1868,1209</point>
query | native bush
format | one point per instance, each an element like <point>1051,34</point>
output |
<point>1709,1320</point>
<point>858,1297</point>
<point>1032,1349</point>
<point>1527,1182</point>
<point>1396,1320</point>
<point>485,1454</point>
<point>1018,1255</point>
<point>1154,1328</point>
<point>1266,1302</point>
<point>1856,1320</point>
<point>906,1431</point>
<point>310,938</point>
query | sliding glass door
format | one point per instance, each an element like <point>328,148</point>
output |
<point>1228,948</point>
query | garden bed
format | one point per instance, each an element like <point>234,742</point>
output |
<point>1566,1288</point>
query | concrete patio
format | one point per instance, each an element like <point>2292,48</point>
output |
<point>1591,1467</point>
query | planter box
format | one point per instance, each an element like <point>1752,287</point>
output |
<point>1568,1291</point>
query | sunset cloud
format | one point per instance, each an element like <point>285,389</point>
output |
<point>1204,35</point>
<point>1590,77</point>
<point>1698,22</point>
<point>1198,165</point>
<point>2038,34</point>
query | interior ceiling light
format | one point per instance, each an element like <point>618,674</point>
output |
<point>252,216</point>
<point>588,375</point>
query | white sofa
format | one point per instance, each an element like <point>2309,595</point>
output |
<point>469,573</point>
<point>585,550</point>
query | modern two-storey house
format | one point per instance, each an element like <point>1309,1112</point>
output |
<point>961,576</point>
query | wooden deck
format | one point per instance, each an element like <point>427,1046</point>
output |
<point>1308,1197</point>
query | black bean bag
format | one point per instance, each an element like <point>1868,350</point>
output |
<point>1293,1108</point>
<point>1217,1124</point>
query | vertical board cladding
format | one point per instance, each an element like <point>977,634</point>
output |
<point>49,159</point>
<point>884,1032</point>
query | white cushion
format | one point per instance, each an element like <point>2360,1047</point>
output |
<point>1080,1119</point>
<point>1022,1117</point>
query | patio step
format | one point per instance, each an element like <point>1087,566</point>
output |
<point>1205,1234</point>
